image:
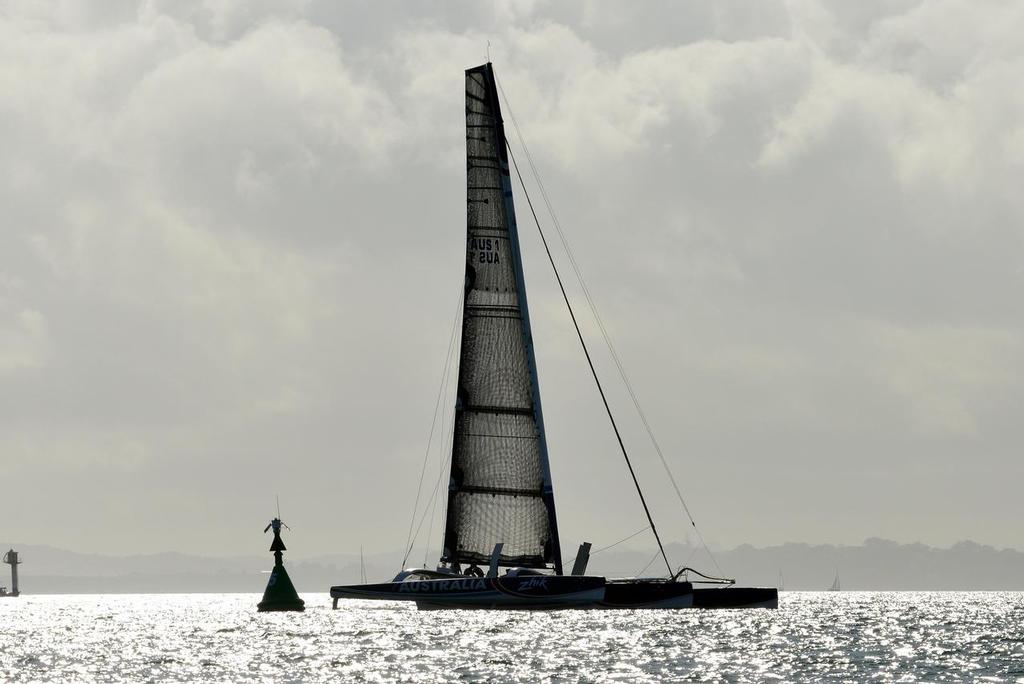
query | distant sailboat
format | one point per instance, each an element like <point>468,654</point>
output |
<point>835,584</point>
<point>501,506</point>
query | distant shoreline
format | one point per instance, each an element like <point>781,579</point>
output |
<point>875,565</point>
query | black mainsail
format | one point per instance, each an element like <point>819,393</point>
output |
<point>500,485</point>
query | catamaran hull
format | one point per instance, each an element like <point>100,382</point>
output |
<point>647,594</point>
<point>548,592</point>
<point>672,595</point>
<point>736,597</point>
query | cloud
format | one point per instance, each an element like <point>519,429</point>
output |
<point>23,339</point>
<point>230,254</point>
<point>946,373</point>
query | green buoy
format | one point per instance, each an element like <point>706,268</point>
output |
<point>280,593</point>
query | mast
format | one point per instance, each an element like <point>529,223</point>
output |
<point>500,488</point>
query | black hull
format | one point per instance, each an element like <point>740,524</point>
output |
<point>529,592</point>
<point>736,597</point>
<point>674,595</point>
<point>647,594</point>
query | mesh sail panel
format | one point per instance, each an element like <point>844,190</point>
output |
<point>500,489</point>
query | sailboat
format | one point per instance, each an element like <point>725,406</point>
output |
<point>501,507</point>
<point>835,584</point>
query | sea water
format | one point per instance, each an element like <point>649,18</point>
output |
<point>840,636</point>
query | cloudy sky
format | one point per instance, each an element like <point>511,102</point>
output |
<point>231,244</point>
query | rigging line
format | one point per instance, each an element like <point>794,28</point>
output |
<point>432,503</point>
<point>605,548</point>
<point>430,528</point>
<point>600,323</point>
<point>426,455</point>
<point>445,454</point>
<point>446,459</point>
<point>708,579</point>
<point>433,424</point>
<point>446,442</point>
<point>590,362</point>
<point>433,500</point>
<point>437,485</point>
<point>644,569</point>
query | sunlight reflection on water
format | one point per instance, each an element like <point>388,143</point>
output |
<point>846,636</point>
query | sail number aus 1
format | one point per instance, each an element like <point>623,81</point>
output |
<point>483,251</point>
